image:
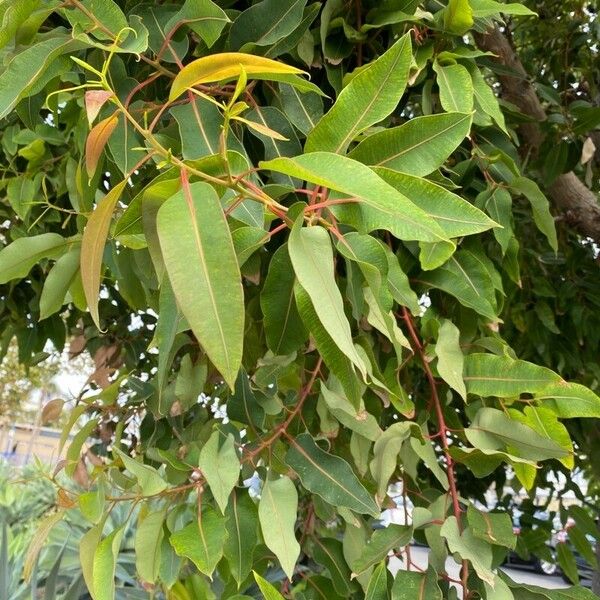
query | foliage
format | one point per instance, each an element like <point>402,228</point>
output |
<point>296,239</point>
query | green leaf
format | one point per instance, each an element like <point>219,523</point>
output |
<point>268,590</point>
<point>470,548</point>
<point>328,476</point>
<point>464,277</point>
<point>335,360</point>
<point>242,535</point>
<point>347,414</point>
<point>58,282</point>
<point>570,400</point>
<point>371,96</point>
<point>284,330</point>
<point>312,258</point>
<point>13,16</point>
<point>105,564</point>
<point>450,357</point>
<point>409,585</point>
<point>492,527</point>
<point>226,66</point>
<point>456,87</point>
<point>22,74</point>
<point>485,99</point>
<point>150,482</point>
<point>385,455</point>
<point>491,429</point>
<point>92,247</point>
<point>148,544</point>
<point>91,504</point>
<point>455,216</point>
<point>203,269</point>
<point>482,461</point>
<point>491,8</point>
<point>329,553</point>
<point>277,512</point>
<point>458,17</point>
<point>567,562</point>
<point>265,23</point>
<point>200,124</point>
<point>243,406</point>
<point>393,537</point>
<point>418,147</point>
<point>19,257</point>
<point>369,255</point>
<point>220,465</point>
<point>539,206</point>
<point>489,375</point>
<point>202,541</point>
<point>40,537</point>
<point>379,583</point>
<point>499,207</point>
<point>303,110</point>
<point>203,17</point>
<point>380,206</point>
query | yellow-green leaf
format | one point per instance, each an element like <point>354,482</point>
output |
<point>225,66</point>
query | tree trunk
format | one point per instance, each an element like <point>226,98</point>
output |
<point>577,205</point>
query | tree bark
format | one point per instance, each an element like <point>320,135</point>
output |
<point>573,200</point>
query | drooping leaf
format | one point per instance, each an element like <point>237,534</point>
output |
<point>284,330</point>
<point>379,583</point>
<point>458,16</point>
<point>456,87</point>
<point>267,589</point>
<point>148,544</point>
<point>450,357</point>
<point>329,476</point>
<point>92,247</point>
<point>539,206</point>
<point>58,282</point>
<point>470,548</point>
<point>220,466</point>
<point>370,97</point>
<point>277,511</point>
<point>202,541</point>
<point>203,269</point>
<point>105,564</point>
<point>242,531</point>
<point>311,255</point>
<point>96,142</point>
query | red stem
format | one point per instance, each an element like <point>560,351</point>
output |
<point>443,432</point>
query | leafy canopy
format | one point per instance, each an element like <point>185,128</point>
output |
<point>291,235</point>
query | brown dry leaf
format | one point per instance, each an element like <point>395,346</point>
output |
<point>52,411</point>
